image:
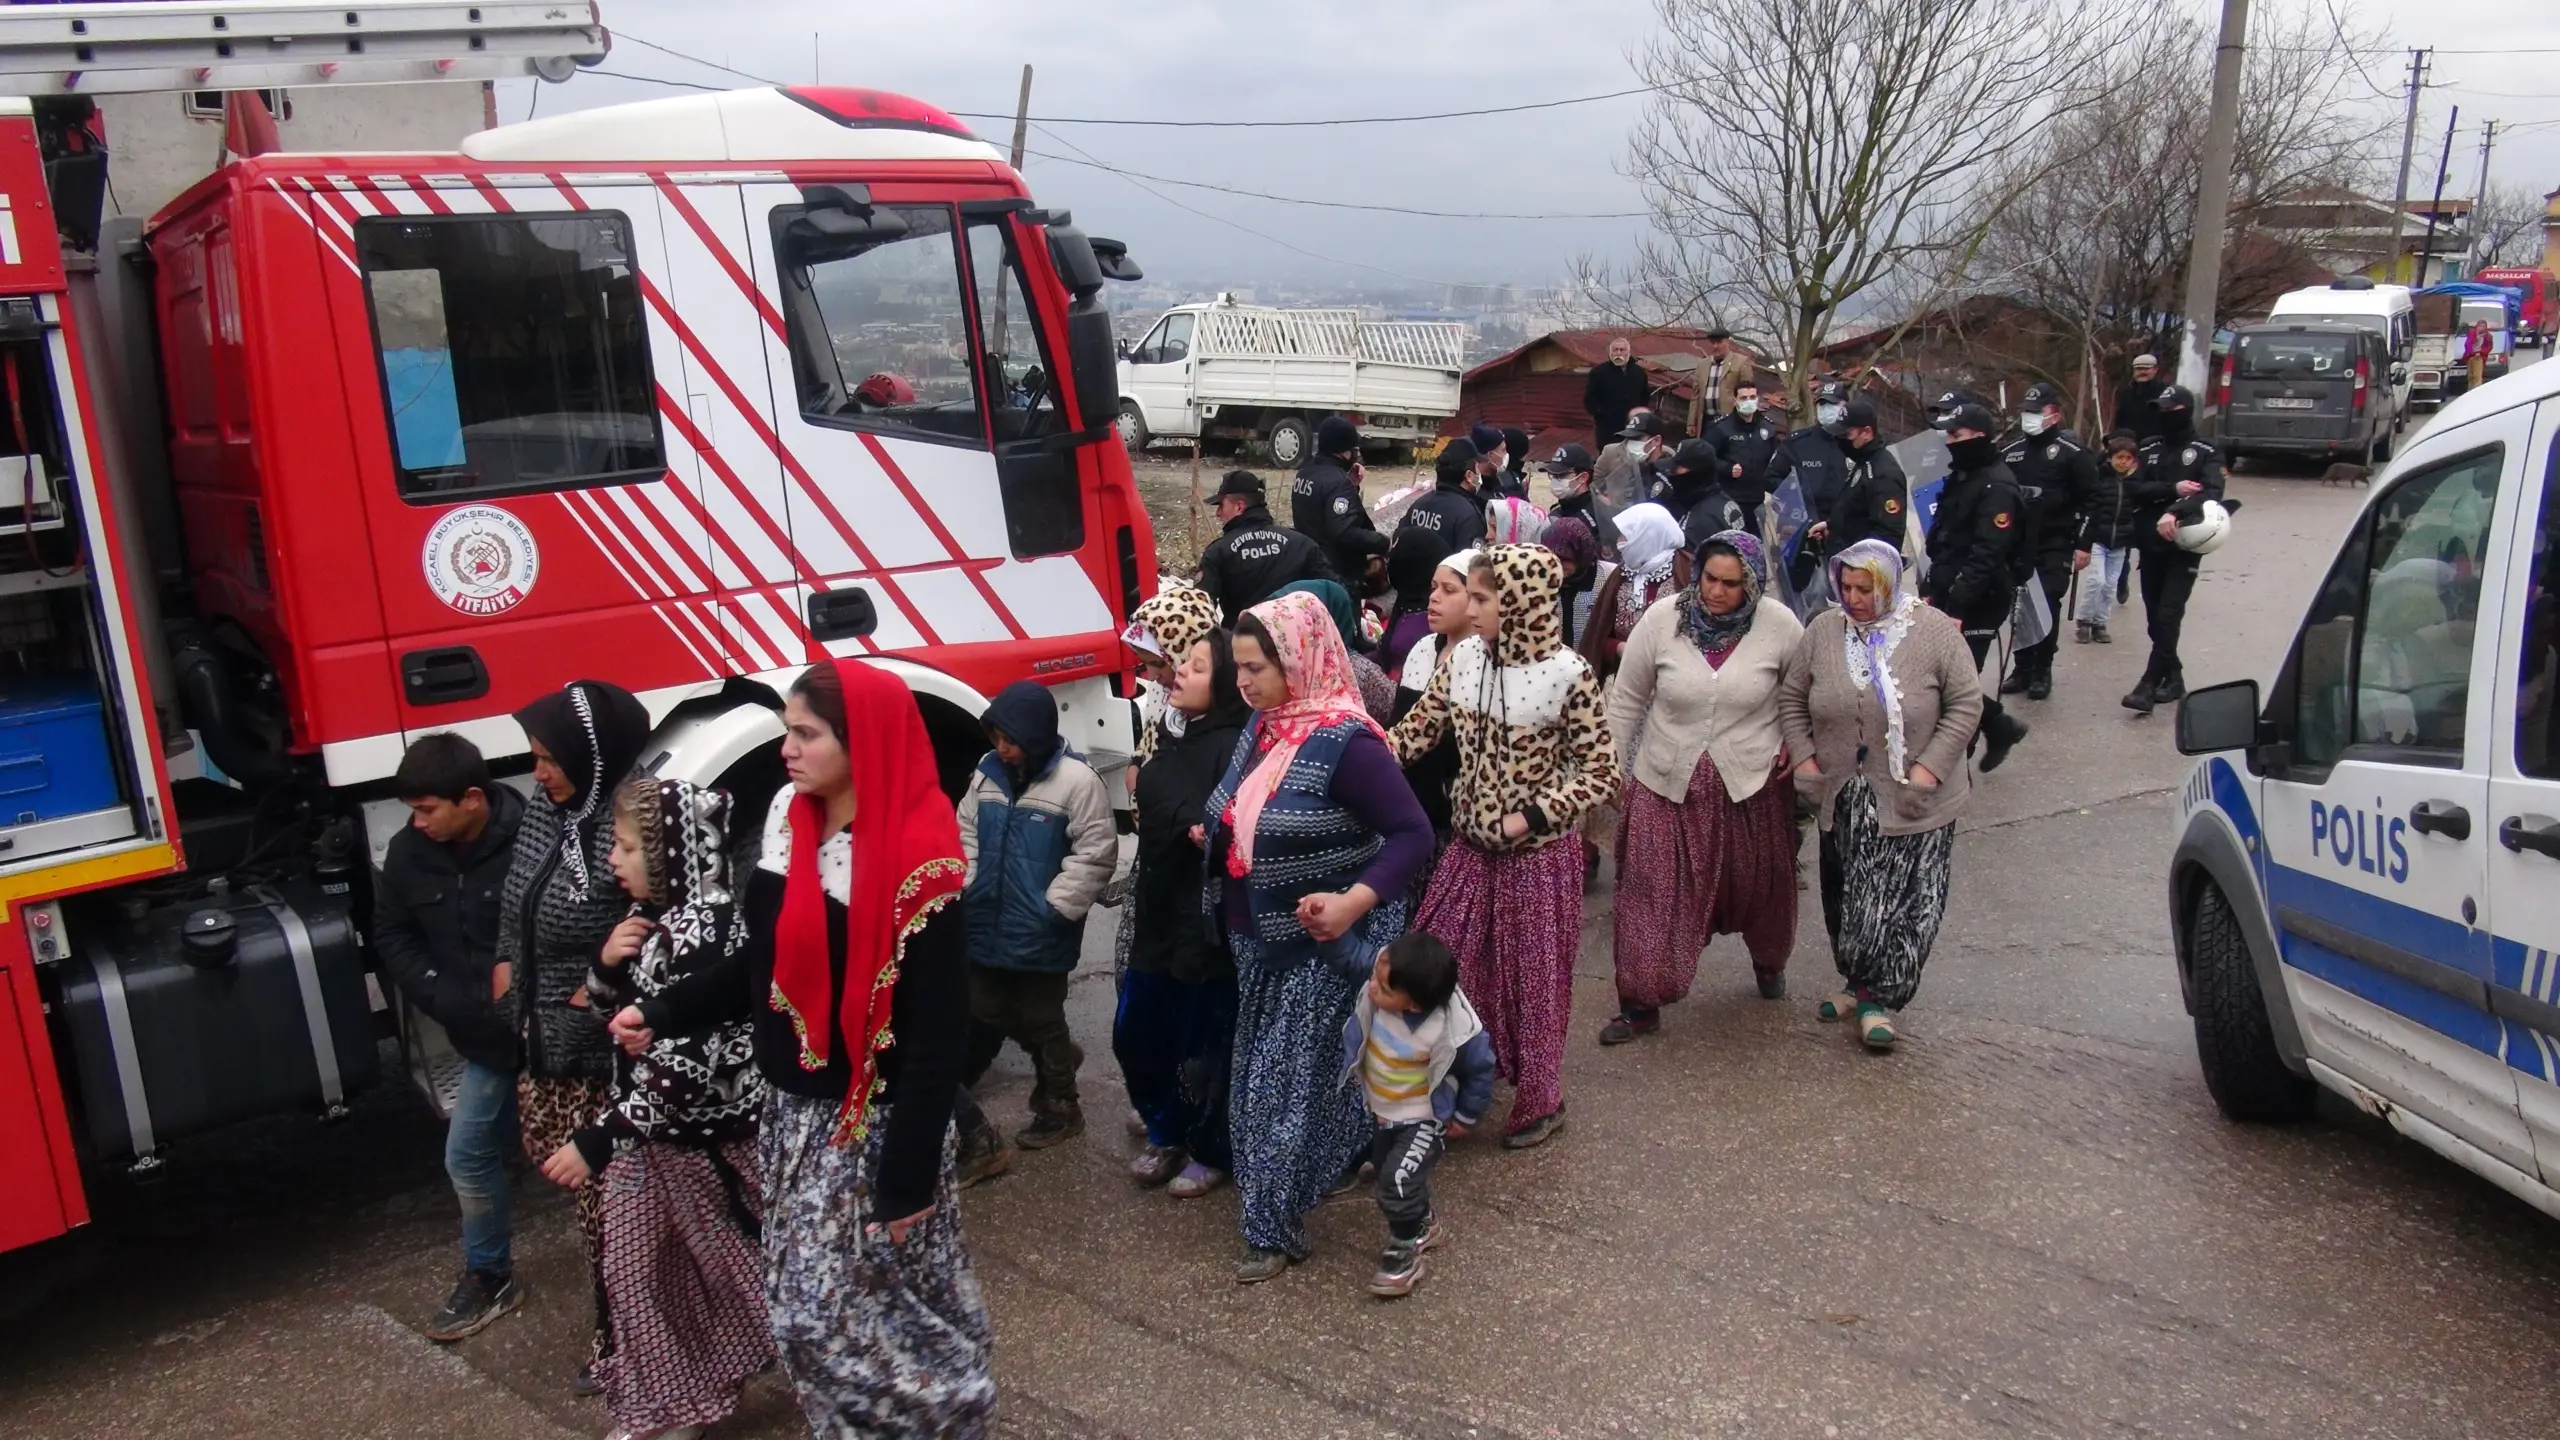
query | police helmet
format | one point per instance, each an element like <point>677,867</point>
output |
<point>2208,532</point>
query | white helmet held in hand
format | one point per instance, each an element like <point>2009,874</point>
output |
<point>2207,534</point>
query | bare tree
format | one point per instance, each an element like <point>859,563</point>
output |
<point>2098,239</point>
<point>2507,226</point>
<point>1795,161</point>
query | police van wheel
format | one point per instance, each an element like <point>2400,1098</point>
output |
<point>1289,441</point>
<point>2235,1042</point>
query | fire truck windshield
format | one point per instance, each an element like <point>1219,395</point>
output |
<point>894,309</point>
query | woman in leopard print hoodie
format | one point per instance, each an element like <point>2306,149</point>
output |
<point>1534,756</point>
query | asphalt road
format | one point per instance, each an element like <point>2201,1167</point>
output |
<point>2029,1221</point>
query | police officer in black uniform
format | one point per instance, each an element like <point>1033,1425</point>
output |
<point>1745,441</point>
<point>2180,471</point>
<point>1978,549</point>
<point>1254,555</point>
<point>1875,496</point>
<point>1697,491</point>
<point>1450,509</point>
<point>1324,501</point>
<point>1817,459</point>
<point>1568,474</point>
<point>2059,478</point>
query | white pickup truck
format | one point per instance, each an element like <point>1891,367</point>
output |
<point>1223,370</point>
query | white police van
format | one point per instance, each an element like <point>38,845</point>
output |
<point>2366,884</point>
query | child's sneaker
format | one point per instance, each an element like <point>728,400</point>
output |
<point>1051,1129</point>
<point>1400,1266</point>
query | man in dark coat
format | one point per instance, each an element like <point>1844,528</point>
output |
<point>1978,549</point>
<point>435,934</point>
<point>1324,501</point>
<point>1254,555</point>
<point>1615,387</point>
<point>2134,410</point>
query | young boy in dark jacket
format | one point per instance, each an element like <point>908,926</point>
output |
<point>1037,831</point>
<point>1421,1055</point>
<point>435,930</point>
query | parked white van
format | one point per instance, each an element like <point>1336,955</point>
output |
<point>2365,885</point>
<point>2389,310</point>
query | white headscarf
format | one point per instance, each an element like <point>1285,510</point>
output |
<point>1648,538</point>
<point>1869,644</point>
<point>1424,657</point>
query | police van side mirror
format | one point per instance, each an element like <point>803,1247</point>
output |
<point>2218,718</point>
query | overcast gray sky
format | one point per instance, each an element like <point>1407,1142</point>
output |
<point>1197,60</point>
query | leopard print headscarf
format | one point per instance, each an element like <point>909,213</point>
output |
<point>1169,623</point>
<point>1528,578</point>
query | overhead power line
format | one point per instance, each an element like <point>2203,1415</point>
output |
<point>1332,204</point>
<point>1302,124</point>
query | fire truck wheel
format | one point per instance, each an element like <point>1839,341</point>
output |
<point>1289,441</point>
<point>1133,427</point>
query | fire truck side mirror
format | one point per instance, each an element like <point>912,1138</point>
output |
<point>1114,259</point>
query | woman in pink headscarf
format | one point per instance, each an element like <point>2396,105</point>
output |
<point>1314,841</point>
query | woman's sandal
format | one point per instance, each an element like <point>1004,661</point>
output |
<point>1875,1027</point>
<point>1838,1007</point>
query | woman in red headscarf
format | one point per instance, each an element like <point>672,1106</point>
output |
<point>856,977</point>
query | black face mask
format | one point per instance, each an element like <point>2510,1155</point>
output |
<point>1972,454</point>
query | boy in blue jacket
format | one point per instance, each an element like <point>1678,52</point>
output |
<point>1427,1066</point>
<point>1037,832</point>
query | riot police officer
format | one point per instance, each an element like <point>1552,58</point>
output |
<point>1818,461</point>
<point>2059,479</point>
<point>1324,501</point>
<point>1695,491</point>
<point>2180,471</point>
<point>1978,550</point>
<point>1875,496</point>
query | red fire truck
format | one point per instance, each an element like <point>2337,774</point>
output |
<point>338,450</point>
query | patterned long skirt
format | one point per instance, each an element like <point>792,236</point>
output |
<point>1297,1128</point>
<point>880,1338</point>
<point>1893,894</point>
<point>1514,919</point>
<point>548,1112</point>
<point>686,1283</point>
<point>1691,870</point>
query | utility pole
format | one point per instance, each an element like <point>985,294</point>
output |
<point>2435,206</point>
<point>2479,199</point>
<point>1021,132</point>
<point>2408,141</point>
<point>2213,197</point>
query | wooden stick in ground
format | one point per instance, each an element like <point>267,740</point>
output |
<point>1196,502</point>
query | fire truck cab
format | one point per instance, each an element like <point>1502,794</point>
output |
<point>682,395</point>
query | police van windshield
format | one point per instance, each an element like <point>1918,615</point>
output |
<point>2295,356</point>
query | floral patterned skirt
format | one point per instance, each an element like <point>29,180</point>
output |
<point>683,1274</point>
<point>880,1338</point>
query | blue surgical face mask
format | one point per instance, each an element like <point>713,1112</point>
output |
<point>2031,422</point>
<point>1746,407</point>
<point>1828,414</point>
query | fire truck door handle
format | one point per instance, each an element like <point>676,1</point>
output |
<point>842,614</point>
<point>443,675</point>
